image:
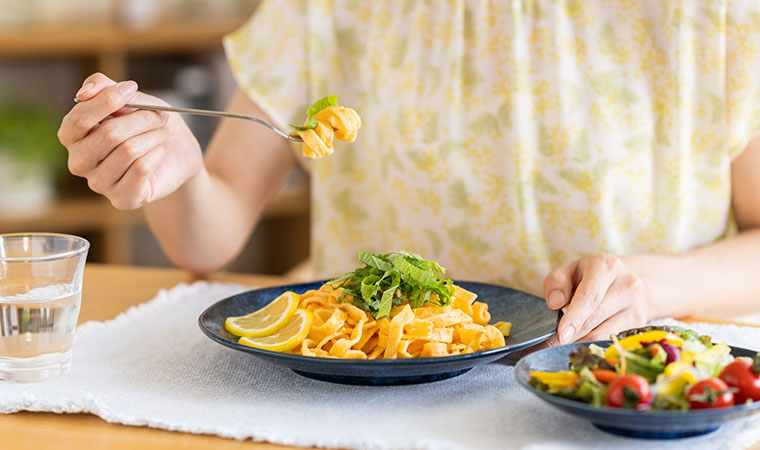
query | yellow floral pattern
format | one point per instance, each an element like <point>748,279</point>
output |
<point>502,138</point>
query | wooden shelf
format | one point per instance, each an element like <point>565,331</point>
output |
<point>110,45</point>
<point>105,38</point>
<point>96,214</point>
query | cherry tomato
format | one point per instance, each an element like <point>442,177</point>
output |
<point>629,391</point>
<point>711,393</point>
<point>740,374</point>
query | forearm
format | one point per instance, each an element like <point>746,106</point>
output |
<point>721,278</point>
<point>203,225</point>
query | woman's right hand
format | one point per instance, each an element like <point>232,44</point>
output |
<point>133,157</point>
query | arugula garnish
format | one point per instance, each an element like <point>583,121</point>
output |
<point>392,279</point>
<point>319,105</point>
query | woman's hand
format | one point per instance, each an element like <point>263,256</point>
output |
<point>603,294</point>
<point>133,157</point>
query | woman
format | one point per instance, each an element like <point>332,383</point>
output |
<point>599,153</point>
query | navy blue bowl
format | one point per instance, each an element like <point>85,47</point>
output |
<point>623,421</point>
<point>532,323</point>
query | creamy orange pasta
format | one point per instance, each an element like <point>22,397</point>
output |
<point>342,330</point>
<point>333,121</point>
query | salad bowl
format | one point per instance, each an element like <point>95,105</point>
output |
<point>625,421</point>
<point>532,323</point>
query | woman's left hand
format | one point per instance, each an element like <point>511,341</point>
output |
<point>603,294</point>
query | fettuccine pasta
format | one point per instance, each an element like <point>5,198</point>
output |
<point>334,121</point>
<point>342,330</point>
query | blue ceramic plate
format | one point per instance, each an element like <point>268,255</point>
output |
<point>628,422</point>
<point>532,323</point>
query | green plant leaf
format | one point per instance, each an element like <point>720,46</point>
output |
<point>28,135</point>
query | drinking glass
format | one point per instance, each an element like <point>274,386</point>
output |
<point>40,295</point>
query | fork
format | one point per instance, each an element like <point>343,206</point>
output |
<point>206,112</point>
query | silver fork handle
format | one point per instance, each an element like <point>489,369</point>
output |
<point>206,112</point>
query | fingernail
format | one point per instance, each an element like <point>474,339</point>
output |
<point>127,88</point>
<point>556,299</point>
<point>85,88</point>
<point>566,334</point>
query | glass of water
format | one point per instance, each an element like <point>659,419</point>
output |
<point>40,295</point>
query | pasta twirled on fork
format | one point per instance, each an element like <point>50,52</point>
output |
<point>333,121</point>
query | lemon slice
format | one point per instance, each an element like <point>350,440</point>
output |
<point>266,320</point>
<point>287,338</point>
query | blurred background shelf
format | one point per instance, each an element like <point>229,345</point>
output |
<point>173,49</point>
<point>110,45</point>
<point>114,228</point>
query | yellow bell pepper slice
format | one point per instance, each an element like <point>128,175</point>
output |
<point>556,380</point>
<point>680,368</point>
<point>634,342</point>
<point>677,385</point>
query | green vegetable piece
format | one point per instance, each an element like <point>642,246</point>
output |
<point>312,124</point>
<point>669,403</point>
<point>756,364</point>
<point>643,366</point>
<point>369,287</point>
<point>707,340</point>
<point>322,103</point>
<point>591,393</point>
<point>379,262</point>
<point>539,386</point>
<point>630,397</point>
<point>661,357</point>
<point>319,105</point>
<point>392,279</point>
<point>584,357</point>
<point>386,302</point>
<point>412,273</point>
<point>596,350</point>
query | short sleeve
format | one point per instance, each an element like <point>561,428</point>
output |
<point>268,57</point>
<point>742,74</point>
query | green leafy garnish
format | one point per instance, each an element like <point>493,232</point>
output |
<point>670,403</point>
<point>587,357</point>
<point>631,397</point>
<point>590,389</point>
<point>392,279</point>
<point>587,389</point>
<point>319,105</point>
<point>641,363</point>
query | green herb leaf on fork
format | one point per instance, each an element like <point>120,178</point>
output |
<point>319,105</point>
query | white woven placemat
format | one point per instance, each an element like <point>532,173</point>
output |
<point>152,366</point>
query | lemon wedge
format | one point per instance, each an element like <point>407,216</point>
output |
<point>266,320</point>
<point>287,338</point>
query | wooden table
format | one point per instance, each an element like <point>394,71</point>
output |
<point>109,290</point>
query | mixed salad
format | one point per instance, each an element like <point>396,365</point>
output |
<point>656,368</point>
